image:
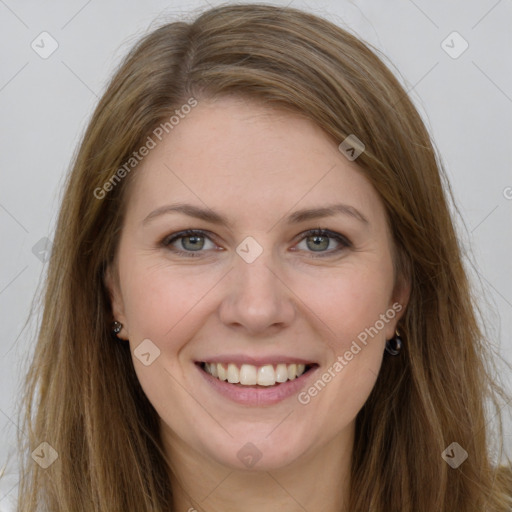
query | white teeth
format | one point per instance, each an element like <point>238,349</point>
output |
<point>233,374</point>
<point>266,375</point>
<point>281,373</point>
<point>222,374</point>
<point>249,375</point>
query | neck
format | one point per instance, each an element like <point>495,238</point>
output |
<point>317,481</point>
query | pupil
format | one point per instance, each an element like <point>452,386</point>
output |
<point>193,240</point>
<point>320,242</point>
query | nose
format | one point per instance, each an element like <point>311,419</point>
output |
<point>257,299</point>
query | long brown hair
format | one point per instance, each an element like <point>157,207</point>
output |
<point>82,395</point>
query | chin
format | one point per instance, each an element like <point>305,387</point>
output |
<point>256,453</point>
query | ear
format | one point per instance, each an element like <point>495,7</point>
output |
<point>398,304</point>
<point>111,281</point>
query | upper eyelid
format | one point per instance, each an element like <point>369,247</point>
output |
<point>188,232</point>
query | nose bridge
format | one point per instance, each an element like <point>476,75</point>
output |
<point>256,298</point>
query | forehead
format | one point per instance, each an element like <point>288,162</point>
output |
<point>249,160</point>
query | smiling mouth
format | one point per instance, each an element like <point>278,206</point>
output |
<point>250,375</point>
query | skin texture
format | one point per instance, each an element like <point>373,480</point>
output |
<point>256,166</point>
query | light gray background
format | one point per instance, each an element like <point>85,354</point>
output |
<point>46,103</point>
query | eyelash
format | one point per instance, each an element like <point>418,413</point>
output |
<point>344,242</point>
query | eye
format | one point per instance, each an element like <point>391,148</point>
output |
<point>188,242</point>
<point>319,240</point>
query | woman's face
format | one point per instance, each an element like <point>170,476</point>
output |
<point>251,295</point>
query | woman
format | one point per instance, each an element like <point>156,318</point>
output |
<point>256,298</point>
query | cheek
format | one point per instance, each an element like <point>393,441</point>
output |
<point>151,304</point>
<point>349,300</point>
<point>357,312</point>
<point>161,306</point>
<point>162,302</point>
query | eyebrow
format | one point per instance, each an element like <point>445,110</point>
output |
<point>213,217</point>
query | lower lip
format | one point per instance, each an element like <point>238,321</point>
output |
<point>254,396</point>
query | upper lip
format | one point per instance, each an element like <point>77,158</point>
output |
<point>256,361</point>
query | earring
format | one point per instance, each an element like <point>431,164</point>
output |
<point>116,327</point>
<point>394,345</point>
